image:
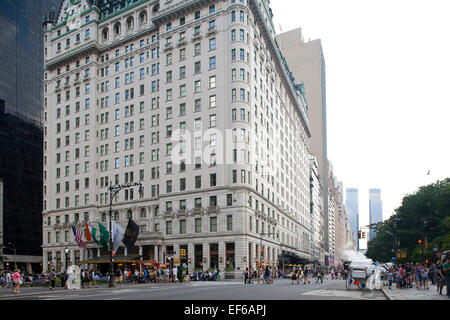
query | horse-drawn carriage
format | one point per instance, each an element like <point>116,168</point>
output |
<point>357,273</point>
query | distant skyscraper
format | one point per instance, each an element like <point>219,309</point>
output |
<point>375,209</point>
<point>351,203</point>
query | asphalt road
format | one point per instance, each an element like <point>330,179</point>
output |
<point>221,290</point>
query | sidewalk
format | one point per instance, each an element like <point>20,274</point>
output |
<point>414,294</point>
<point>46,290</point>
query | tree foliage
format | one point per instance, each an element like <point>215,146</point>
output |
<point>424,214</point>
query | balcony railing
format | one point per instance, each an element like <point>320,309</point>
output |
<point>197,211</point>
<point>213,209</point>
<point>181,42</point>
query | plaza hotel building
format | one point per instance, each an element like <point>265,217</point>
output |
<point>191,98</point>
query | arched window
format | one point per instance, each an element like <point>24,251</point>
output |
<point>105,33</point>
<point>129,214</point>
<point>143,213</point>
<point>130,23</point>
<point>143,17</point>
<point>103,217</point>
<point>116,215</point>
<point>117,28</point>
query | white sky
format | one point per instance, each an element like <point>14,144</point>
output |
<point>388,68</point>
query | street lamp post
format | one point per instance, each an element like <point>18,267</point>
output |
<point>113,190</point>
<point>66,251</point>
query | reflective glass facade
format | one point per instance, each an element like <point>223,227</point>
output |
<point>22,55</point>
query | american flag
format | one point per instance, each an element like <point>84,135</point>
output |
<point>78,234</point>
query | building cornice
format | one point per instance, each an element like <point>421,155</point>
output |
<point>274,49</point>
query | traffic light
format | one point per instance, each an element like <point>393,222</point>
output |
<point>364,235</point>
<point>426,243</point>
<point>420,242</point>
<point>182,252</point>
<point>359,234</point>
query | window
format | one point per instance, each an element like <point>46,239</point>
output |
<point>212,120</point>
<point>213,224</point>
<point>212,180</point>
<point>198,225</point>
<point>212,63</point>
<point>229,223</point>
<point>198,182</point>
<point>169,227</point>
<point>229,199</point>
<point>197,67</point>
<point>197,86</point>
<point>197,49</point>
<point>182,226</point>
<point>212,101</point>
<point>212,44</point>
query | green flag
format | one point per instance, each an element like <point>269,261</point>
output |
<point>104,236</point>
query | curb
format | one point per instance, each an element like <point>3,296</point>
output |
<point>164,284</point>
<point>389,297</point>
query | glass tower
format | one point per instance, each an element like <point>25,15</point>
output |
<point>22,56</point>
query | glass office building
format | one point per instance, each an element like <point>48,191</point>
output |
<point>21,133</point>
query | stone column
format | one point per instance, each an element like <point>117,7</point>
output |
<point>222,264</point>
<point>44,261</point>
<point>206,256</point>
<point>53,266</point>
<point>125,251</point>
<point>140,257</point>
<point>190,256</point>
<point>156,253</point>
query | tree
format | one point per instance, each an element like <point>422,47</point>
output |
<point>424,214</point>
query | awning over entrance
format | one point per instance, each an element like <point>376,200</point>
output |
<point>116,259</point>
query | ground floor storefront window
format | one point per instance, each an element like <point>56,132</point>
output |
<point>214,255</point>
<point>230,256</point>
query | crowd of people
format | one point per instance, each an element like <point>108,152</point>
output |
<point>420,276</point>
<point>12,280</point>
<point>263,275</point>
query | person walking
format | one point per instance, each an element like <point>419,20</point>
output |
<point>17,279</point>
<point>52,278</point>
<point>446,273</point>
<point>93,279</point>
<point>246,276</point>
<point>432,273</point>
<point>439,278</point>
<point>118,276</point>
<point>425,278</point>
<point>390,277</point>
<point>417,276</point>
<point>8,282</point>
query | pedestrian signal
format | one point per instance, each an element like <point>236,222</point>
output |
<point>364,235</point>
<point>359,234</point>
